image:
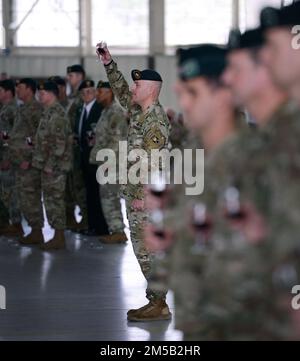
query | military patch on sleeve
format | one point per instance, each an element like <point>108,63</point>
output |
<point>154,139</point>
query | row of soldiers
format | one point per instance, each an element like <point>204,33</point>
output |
<point>48,149</point>
<point>231,254</point>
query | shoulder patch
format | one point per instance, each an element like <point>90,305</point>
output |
<point>154,138</point>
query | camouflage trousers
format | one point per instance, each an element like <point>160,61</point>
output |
<point>110,201</point>
<point>29,182</point>
<point>76,195</point>
<point>38,184</point>
<point>53,188</point>
<point>137,220</point>
<point>9,194</point>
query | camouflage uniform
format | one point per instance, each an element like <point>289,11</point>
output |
<point>238,295</point>
<point>54,150</point>
<point>111,128</point>
<point>146,131</point>
<point>24,130</point>
<point>75,189</point>
<point>179,135</point>
<point>66,104</point>
<point>8,189</point>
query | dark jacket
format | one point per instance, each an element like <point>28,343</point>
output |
<point>87,125</point>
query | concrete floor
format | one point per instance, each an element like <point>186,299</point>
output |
<point>82,293</point>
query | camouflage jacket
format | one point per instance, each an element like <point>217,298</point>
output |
<point>111,128</point>
<point>74,103</point>
<point>53,141</point>
<point>8,114</point>
<point>24,131</point>
<point>147,131</point>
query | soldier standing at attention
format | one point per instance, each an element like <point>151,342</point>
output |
<point>8,190</point>
<point>110,129</point>
<point>75,191</point>
<point>148,129</point>
<point>75,76</point>
<point>53,158</point>
<point>62,96</point>
<point>21,150</point>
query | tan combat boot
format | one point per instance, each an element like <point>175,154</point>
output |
<point>114,238</point>
<point>35,237</point>
<point>13,230</point>
<point>156,310</point>
<point>57,242</point>
<point>136,310</point>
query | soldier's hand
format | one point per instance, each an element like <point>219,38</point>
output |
<point>155,243</point>
<point>138,204</point>
<point>103,53</point>
<point>25,165</point>
<point>5,165</point>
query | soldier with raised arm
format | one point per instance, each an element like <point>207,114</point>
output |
<point>148,129</point>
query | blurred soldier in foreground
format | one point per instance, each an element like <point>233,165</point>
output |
<point>209,113</point>
<point>21,150</point>
<point>8,188</point>
<point>282,50</point>
<point>110,129</point>
<point>53,158</point>
<point>148,129</point>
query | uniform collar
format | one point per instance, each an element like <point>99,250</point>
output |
<point>151,107</point>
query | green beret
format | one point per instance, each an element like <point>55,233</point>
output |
<point>49,86</point>
<point>206,60</point>
<point>249,39</point>
<point>58,80</point>
<point>147,74</point>
<point>87,84</point>
<point>76,68</point>
<point>103,84</point>
<point>288,16</point>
